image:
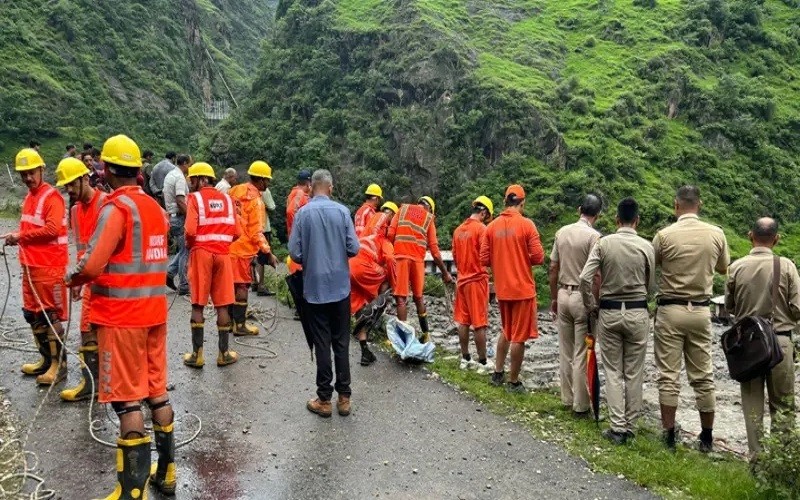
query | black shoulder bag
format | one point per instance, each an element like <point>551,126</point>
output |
<point>751,346</point>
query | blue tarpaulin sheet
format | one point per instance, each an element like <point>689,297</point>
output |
<point>404,340</point>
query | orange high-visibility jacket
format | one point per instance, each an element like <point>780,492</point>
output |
<point>467,252</point>
<point>211,221</point>
<point>374,264</point>
<point>362,218</point>
<point>510,246</point>
<point>83,219</point>
<point>297,199</point>
<point>252,214</point>
<point>413,231</point>
<point>43,237</point>
<point>127,259</point>
<point>377,224</point>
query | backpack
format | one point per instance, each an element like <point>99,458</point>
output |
<point>751,345</point>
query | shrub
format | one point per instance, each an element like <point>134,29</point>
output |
<point>777,469</point>
<point>579,105</point>
<point>648,4</point>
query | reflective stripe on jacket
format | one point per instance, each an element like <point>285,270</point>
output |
<point>411,235</point>
<point>130,291</point>
<point>41,206</point>
<point>216,221</point>
<point>83,218</point>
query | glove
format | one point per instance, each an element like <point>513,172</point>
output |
<point>262,258</point>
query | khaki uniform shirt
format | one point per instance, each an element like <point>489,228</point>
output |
<point>689,252</point>
<point>627,266</point>
<point>749,289</point>
<point>571,248</point>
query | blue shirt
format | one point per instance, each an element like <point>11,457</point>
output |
<point>323,239</point>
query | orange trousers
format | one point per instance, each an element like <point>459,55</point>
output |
<point>133,363</point>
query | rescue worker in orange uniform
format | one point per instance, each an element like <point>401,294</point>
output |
<point>73,176</point>
<point>297,199</point>
<point>43,253</point>
<point>211,226</point>
<point>413,232</point>
<point>472,287</point>
<point>374,196</point>
<point>378,219</point>
<point>510,247</point>
<point>251,243</point>
<point>126,264</point>
<point>372,273</point>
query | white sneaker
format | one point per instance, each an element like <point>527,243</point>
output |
<point>481,369</point>
<point>464,365</point>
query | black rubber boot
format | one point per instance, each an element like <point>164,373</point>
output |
<point>240,324</point>
<point>58,362</point>
<point>89,369</point>
<point>133,469</point>
<point>423,325</point>
<point>367,357</point>
<point>41,366</point>
<point>226,356</point>
<point>162,473</point>
<point>195,358</point>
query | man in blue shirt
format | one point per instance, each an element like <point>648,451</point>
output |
<point>323,239</point>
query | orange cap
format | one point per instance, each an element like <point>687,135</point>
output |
<point>516,190</point>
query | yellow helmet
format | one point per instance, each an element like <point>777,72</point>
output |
<point>68,170</point>
<point>28,159</point>
<point>430,202</point>
<point>486,202</point>
<point>374,190</point>
<point>121,150</point>
<point>201,169</point>
<point>391,206</point>
<point>260,169</point>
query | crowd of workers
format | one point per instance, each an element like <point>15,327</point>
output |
<point>347,267</point>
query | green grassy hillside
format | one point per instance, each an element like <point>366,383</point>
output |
<point>460,97</point>
<point>72,70</point>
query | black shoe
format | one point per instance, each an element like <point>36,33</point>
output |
<point>254,287</point>
<point>668,437</point>
<point>171,283</point>
<point>582,415</point>
<point>498,378</point>
<point>705,446</point>
<point>629,435</point>
<point>296,316</point>
<point>618,438</point>
<point>367,357</point>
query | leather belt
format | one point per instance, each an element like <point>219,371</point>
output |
<point>571,288</point>
<point>787,333</point>
<point>683,302</point>
<point>619,304</point>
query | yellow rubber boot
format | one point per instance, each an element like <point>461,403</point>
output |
<point>133,469</point>
<point>195,358</point>
<point>41,366</point>
<point>162,473</point>
<point>58,364</point>
<point>241,326</point>
<point>89,368</point>
<point>425,335</point>
<point>226,356</point>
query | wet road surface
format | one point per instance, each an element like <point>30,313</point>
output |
<point>408,436</point>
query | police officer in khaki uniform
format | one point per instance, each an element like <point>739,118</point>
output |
<point>688,252</point>
<point>571,248</point>
<point>748,293</point>
<point>627,268</point>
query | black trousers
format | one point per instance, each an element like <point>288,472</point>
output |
<point>330,327</point>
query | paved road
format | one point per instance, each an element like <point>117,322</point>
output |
<point>408,437</point>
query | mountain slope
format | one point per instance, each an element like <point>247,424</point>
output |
<point>79,69</point>
<point>460,97</point>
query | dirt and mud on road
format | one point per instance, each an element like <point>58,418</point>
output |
<point>409,436</point>
<point>540,370</point>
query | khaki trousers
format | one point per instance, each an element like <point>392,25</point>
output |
<point>780,387</point>
<point>623,345</point>
<point>684,335</point>
<point>572,328</point>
